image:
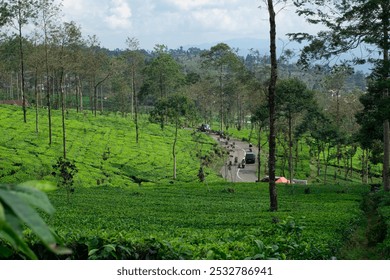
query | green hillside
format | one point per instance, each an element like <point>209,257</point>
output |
<point>111,216</point>
<point>26,155</point>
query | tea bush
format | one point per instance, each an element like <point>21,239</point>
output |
<point>191,221</point>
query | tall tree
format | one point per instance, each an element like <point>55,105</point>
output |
<point>46,22</point>
<point>68,40</point>
<point>350,24</point>
<point>259,117</point>
<point>334,84</point>
<point>20,13</point>
<point>98,69</point>
<point>163,75</point>
<point>293,98</point>
<point>222,58</point>
<point>136,63</point>
<point>375,108</point>
<point>272,108</point>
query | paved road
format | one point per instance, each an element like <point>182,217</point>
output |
<point>233,171</point>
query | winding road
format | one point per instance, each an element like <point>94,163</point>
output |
<point>233,171</point>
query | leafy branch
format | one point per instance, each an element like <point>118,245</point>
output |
<point>18,209</point>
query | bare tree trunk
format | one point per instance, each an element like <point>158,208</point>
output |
<point>63,118</point>
<point>135,97</point>
<point>290,146</point>
<point>80,91</point>
<point>386,132</point>
<point>36,102</point>
<point>386,157</point>
<point>174,151</point>
<point>21,52</point>
<point>221,97</point>
<point>272,112</point>
<point>259,155</point>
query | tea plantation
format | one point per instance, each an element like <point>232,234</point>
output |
<point>125,204</point>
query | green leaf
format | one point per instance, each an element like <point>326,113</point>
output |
<point>39,185</point>
<point>92,252</point>
<point>260,245</point>
<point>8,234</point>
<point>5,252</point>
<point>14,222</point>
<point>34,197</point>
<point>2,215</point>
<point>28,215</point>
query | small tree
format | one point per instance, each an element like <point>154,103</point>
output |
<point>294,98</point>
<point>65,170</point>
<point>176,109</point>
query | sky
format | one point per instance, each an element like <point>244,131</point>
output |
<point>176,23</point>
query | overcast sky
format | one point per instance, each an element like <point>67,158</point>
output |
<point>176,23</point>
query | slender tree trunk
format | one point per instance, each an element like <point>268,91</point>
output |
<point>36,102</point>
<point>386,74</point>
<point>351,167</point>
<point>338,153</point>
<point>77,93</point>
<point>174,150</point>
<point>63,118</point>
<point>135,96</point>
<point>48,88</point>
<point>362,165</point>
<point>386,158</point>
<point>259,155</point>
<point>221,96</point>
<point>80,91</point>
<point>290,147</point>
<point>296,155</point>
<point>272,111</point>
<point>101,100</point>
<point>91,95</point>
<point>318,162</point>
<point>22,87</point>
<point>95,90</point>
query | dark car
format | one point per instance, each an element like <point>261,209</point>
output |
<point>250,157</point>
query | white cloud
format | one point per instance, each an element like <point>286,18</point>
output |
<point>196,4</point>
<point>76,9</point>
<point>74,6</point>
<point>119,15</point>
<point>176,22</point>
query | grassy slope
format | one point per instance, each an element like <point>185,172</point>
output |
<point>26,155</point>
<point>220,220</point>
<point>217,220</point>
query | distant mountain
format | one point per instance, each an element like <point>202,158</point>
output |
<point>244,45</point>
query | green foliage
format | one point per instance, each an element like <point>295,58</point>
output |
<point>65,170</point>
<point>18,209</point>
<point>190,221</point>
<point>376,108</point>
<point>26,156</point>
<point>163,75</point>
<point>174,108</point>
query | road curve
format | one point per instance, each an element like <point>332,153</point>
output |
<point>232,171</point>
